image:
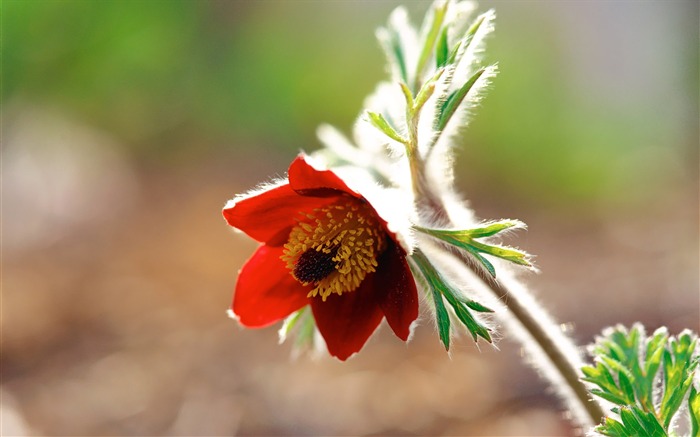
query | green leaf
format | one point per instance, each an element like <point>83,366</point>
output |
<point>467,38</point>
<point>694,410</point>
<point>442,288</point>
<point>465,240</point>
<point>476,306</point>
<point>613,428</point>
<point>380,123</point>
<point>629,419</point>
<point>450,105</point>
<point>397,51</point>
<point>442,51</point>
<point>435,17</point>
<point>425,92</point>
<point>289,324</point>
<point>443,319</point>
<point>491,229</point>
<point>486,263</point>
<point>626,387</point>
<point>506,253</point>
<point>466,317</point>
<point>407,94</point>
<point>615,399</point>
<point>307,326</point>
<point>636,361</point>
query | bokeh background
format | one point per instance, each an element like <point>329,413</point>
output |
<point>126,125</point>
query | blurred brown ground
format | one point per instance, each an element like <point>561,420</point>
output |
<point>117,325</point>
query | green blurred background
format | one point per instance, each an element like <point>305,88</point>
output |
<point>126,125</point>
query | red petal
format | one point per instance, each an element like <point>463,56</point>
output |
<point>308,181</point>
<point>396,290</point>
<point>347,321</point>
<point>264,216</point>
<point>265,291</point>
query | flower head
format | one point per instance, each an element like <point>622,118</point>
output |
<point>324,245</point>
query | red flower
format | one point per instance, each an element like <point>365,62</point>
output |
<point>323,245</point>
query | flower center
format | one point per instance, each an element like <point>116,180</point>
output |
<point>335,247</point>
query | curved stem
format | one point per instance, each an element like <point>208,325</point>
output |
<point>539,333</point>
<point>539,330</point>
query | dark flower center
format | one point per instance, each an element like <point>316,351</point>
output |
<point>314,265</point>
<point>335,247</point>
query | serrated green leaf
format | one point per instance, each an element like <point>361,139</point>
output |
<point>636,361</point>
<point>380,123</point>
<point>450,105</point>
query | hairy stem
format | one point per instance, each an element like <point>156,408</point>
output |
<point>542,332</point>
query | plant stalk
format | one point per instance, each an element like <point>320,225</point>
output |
<point>536,328</point>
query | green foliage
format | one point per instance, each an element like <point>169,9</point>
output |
<point>380,123</point>
<point>450,105</point>
<point>465,240</point>
<point>441,288</point>
<point>647,378</point>
<point>300,325</point>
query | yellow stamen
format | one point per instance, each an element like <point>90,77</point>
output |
<point>335,247</point>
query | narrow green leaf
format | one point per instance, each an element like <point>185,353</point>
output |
<point>464,240</point>
<point>476,306</point>
<point>506,253</point>
<point>426,91</point>
<point>608,396</point>
<point>591,372</point>
<point>380,123</point>
<point>468,36</point>
<point>449,107</point>
<point>630,421</point>
<point>486,263</point>
<point>443,319</point>
<point>398,54</point>
<point>482,231</point>
<point>626,387</point>
<point>494,228</point>
<point>442,51</point>
<point>288,325</point>
<point>694,410</point>
<point>435,17</point>
<point>407,94</point>
<point>612,428</point>
<point>305,330</point>
<point>437,283</point>
<point>463,314</point>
